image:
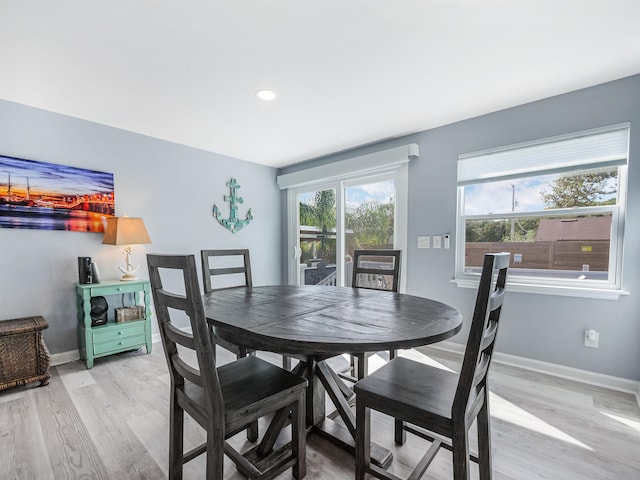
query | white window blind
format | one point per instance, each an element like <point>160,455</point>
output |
<point>603,147</point>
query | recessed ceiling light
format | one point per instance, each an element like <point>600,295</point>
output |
<point>267,95</point>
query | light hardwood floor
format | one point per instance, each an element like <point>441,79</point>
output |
<point>110,422</point>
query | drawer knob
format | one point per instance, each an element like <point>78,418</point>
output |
<point>120,332</point>
<point>120,343</point>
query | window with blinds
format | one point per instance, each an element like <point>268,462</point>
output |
<point>556,204</point>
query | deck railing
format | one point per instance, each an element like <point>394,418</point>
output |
<point>323,275</point>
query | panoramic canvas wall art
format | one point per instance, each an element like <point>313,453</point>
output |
<point>47,196</point>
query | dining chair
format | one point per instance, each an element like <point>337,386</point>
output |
<point>219,277</point>
<point>223,400</point>
<point>227,276</point>
<point>375,270</point>
<point>438,405</point>
<point>233,270</point>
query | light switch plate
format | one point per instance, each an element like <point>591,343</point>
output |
<point>424,241</point>
<point>437,241</point>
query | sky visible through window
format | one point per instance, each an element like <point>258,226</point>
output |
<point>380,192</point>
<point>515,195</point>
<point>499,197</point>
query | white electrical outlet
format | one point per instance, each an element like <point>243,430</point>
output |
<point>437,241</point>
<point>424,241</point>
<point>591,338</point>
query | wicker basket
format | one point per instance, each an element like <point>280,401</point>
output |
<point>24,357</point>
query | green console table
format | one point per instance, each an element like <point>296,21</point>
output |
<point>112,337</point>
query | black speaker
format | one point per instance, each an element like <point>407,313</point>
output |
<point>99,309</point>
<point>85,274</point>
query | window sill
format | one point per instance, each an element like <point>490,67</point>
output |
<point>597,293</point>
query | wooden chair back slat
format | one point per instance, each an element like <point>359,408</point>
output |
<point>187,371</point>
<point>495,301</point>
<point>481,370</point>
<point>489,336</point>
<point>178,336</point>
<point>172,300</point>
<point>226,271</point>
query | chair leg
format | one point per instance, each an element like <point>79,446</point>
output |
<point>252,429</point>
<point>215,453</point>
<point>460,444</point>
<point>299,438</point>
<point>400,434</point>
<point>252,432</point>
<point>484,441</point>
<point>176,440</point>
<point>363,439</point>
<point>353,365</point>
<point>362,365</point>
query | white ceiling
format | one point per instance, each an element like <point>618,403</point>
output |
<point>347,73</point>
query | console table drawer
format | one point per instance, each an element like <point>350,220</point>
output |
<point>106,290</point>
<point>118,344</point>
<point>120,331</point>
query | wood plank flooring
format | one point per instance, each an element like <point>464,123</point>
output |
<point>110,422</point>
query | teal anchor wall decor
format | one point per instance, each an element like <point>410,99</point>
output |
<point>233,223</point>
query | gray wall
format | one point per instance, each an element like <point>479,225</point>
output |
<point>172,187</point>
<point>541,327</point>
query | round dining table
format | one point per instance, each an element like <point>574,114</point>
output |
<point>315,323</point>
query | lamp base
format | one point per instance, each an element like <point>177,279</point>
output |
<point>129,271</point>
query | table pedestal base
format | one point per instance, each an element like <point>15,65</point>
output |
<point>340,436</point>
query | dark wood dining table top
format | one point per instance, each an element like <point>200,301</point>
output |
<point>323,321</point>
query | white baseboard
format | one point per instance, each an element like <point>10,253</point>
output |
<point>570,373</point>
<point>64,357</point>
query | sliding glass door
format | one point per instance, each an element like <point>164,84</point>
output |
<point>329,221</point>
<point>317,237</point>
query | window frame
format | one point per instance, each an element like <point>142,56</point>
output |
<point>605,289</point>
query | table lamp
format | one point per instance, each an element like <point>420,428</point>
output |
<point>126,231</point>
